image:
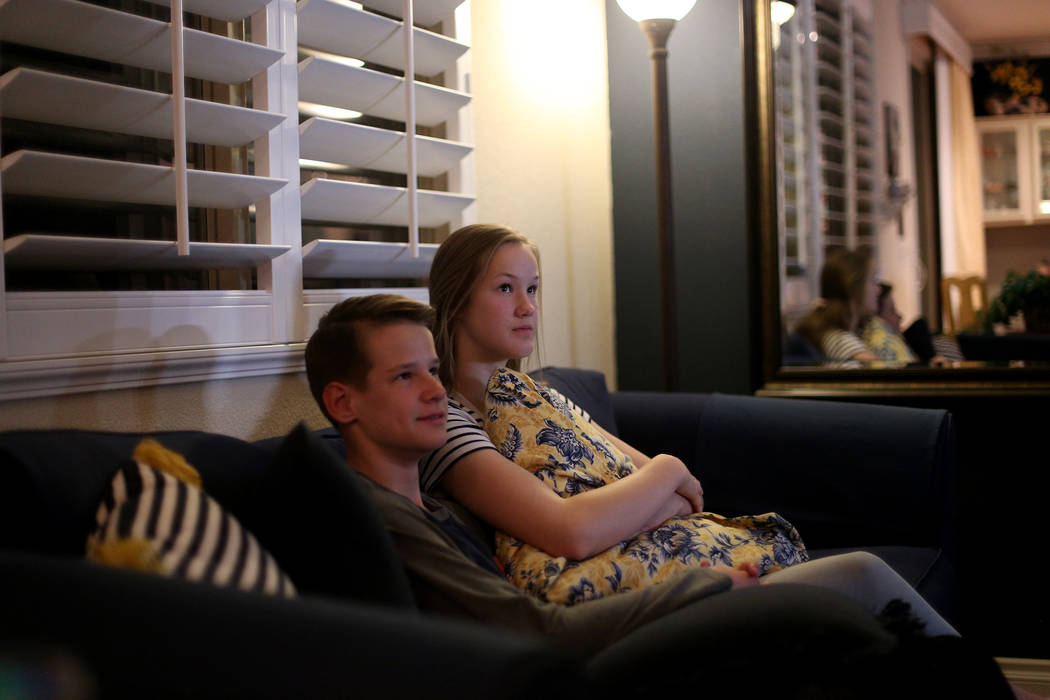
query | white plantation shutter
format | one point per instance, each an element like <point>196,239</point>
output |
<point>55,341</point>
<point>331,32</point>
<point>88,31</point>
<point>826,140</point>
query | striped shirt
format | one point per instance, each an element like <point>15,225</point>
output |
<point>464,435</point>
<point>837,344</point>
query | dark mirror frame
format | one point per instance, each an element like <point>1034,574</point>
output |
<point>972,378</point>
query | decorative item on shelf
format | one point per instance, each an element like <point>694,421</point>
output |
<point>1028,294</point>
<point>657,18</point>
<point>1010,87</point>
<point>897,192</point>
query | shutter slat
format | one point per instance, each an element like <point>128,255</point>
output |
<point>49,252</point>
<point>341,29</point>
<point>327,82</point>
<point>76,177</point>
<point>360,146</point>
<point>362,203</point>
<point>46,97</point>
<point>92,31</point>
<point>426,13</point>
<point>364,259</point>
<point>228,10</point>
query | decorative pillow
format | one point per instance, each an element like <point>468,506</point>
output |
<point>153,521</point>
<point>310,510</point>
<point>532,427</point>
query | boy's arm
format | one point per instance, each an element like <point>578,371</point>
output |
<point>446,582</point>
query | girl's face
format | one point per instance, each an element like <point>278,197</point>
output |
<point>499,322</point>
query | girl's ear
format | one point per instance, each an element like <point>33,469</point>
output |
<point>338,402</point>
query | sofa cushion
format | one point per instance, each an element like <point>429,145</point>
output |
<point>149,520</point>
<point>309,510</point>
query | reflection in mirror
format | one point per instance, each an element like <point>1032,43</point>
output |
<point>854,209</point>
<point>826,156</point>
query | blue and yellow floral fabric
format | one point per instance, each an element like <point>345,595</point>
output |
<point>886,343</point>
<point>536,429</point>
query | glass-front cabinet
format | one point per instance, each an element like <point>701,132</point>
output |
<point>1041,133</point>
<point>1015,169</point>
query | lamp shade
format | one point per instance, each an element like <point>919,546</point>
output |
<point>640,10</point>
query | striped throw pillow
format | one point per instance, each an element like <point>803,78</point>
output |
<point>149,520</point>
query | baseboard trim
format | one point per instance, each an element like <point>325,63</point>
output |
<point>1030,674</point>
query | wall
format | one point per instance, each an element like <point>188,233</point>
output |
<point>717,343</point>
<point>541,131</point>
<point>247,408</point>
<point>1017,248</point>
<point>541,124</point>
<point>898,240</point>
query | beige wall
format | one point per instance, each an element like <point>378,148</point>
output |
<point>898,240</point>
<point>251,408</point>
<point>541,126</point>
<point>1017,248</point>
<point>543,166</point>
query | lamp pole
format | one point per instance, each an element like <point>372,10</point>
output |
<point>657,31</point>
<point>656,19</point>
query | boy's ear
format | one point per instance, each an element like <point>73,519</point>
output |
<point>338,401</point>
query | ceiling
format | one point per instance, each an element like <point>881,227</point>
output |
<point>984,21</point>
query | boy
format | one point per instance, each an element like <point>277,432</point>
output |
<point>373,370</point>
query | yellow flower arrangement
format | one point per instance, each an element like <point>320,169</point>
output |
<point>1019,77</point>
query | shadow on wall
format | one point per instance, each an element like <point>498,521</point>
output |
<point>250,408</point>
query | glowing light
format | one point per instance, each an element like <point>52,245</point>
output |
<point>308,164</point>
<point>813,36</point>
<point>639,10</point>
<point>781,11</point>
<point>334,57</point>
<point>1044,207</point>
<point>327,112</point>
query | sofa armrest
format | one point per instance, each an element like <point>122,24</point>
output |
<point>138,635</point>
<point>845,474</point>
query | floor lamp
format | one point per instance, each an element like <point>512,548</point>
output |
<point>656,19</point>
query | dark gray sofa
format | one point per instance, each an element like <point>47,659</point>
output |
<point>354,631</point>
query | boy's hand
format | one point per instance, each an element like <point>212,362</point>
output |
<point>745,574</point>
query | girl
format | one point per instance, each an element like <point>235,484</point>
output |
<point>484,285</point>
<point>848,296</point>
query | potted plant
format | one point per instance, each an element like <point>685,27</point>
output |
<point>1028,294</point>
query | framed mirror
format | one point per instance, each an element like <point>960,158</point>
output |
<point>839,169</point>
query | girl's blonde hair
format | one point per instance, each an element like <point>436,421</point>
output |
<point>458,265</point>
<point>841,304</point>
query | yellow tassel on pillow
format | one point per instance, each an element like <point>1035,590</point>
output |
<point>128,553</point>
<point>153,454</point>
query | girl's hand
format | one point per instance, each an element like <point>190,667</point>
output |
<point>688,487</point>
<point>684,507</point>
<point>691,491</point>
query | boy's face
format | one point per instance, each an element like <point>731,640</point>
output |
<point>888,312</point>
<point>401,407</point>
